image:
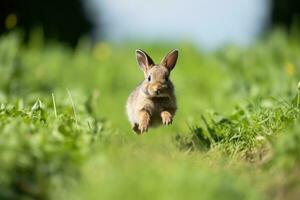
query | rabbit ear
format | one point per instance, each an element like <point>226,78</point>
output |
<point>144,60</point>
<point>169,61</point>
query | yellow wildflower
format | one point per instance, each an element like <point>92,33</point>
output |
<point>290,69</point>
<point>11,21</point>
<point>102,51</point>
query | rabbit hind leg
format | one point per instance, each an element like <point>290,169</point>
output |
<point>135,128</point>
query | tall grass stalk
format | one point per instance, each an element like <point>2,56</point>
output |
<point>298,95</point>
<point>54,106</point>
<point>73,105</point>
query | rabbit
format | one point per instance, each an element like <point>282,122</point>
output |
<point>153,102</point>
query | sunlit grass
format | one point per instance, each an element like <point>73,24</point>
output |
<point>63,110</point>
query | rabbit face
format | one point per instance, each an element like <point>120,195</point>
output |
<point>157,83</point>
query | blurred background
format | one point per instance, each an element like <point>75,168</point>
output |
<point>68,66</point>
<point>207,24</point>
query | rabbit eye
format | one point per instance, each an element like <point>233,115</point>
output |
<point>149,78</point>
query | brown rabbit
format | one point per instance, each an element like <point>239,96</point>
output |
<point>153,101</point>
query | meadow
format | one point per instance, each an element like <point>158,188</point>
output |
<point>64,133</point>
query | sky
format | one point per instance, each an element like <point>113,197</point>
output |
<point>208,24</point>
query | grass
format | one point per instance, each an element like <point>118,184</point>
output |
<point>64,132</point>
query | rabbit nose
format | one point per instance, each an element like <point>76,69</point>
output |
<point>158,91</point>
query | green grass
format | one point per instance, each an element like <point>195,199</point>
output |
<point>64,132</point>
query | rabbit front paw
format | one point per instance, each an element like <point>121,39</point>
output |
<point>166,118</point>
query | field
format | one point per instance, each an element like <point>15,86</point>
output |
<point>64,132</point>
